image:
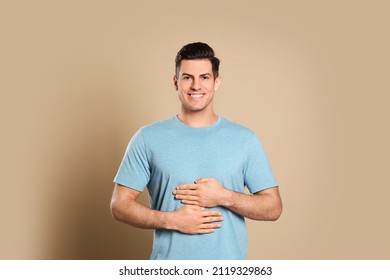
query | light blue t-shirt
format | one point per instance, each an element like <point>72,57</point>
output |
<point>169,153</point>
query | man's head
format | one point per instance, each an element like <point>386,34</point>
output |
<point>197,51</point>
<point>197,78</point>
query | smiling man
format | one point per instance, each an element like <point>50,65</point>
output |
<point>196,166</point>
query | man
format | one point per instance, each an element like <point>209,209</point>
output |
<point>195,166</point>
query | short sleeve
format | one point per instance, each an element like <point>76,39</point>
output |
<point>258,175</point>
<point>134,171</point>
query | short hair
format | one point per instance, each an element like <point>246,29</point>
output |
<point>197,50</point>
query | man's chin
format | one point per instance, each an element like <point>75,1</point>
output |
<point>196,109</point>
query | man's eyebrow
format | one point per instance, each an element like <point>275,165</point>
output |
<point>205,74</point>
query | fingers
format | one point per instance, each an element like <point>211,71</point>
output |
<point>209,227</point>
<point>209,224</point>
<point>212,214</point>
<point>205,213</point>
<point>205,231</point>
<point>203,180</point>
<point>189,202</point>
<point>207,216</point>
<point>212,221</point>
<point>186,187</point>
<point>184,192</point>
<point>197,220</point>
<point>200,180</point>
<point>195,207</point>
<point>194,185</point>
<point>188,197</point>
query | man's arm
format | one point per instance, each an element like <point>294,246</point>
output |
<point>191,219</point>
<point>264,205</point>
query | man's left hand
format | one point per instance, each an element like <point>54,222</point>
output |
<point>205,192</point>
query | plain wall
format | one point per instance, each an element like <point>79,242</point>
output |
<point>78,78</point>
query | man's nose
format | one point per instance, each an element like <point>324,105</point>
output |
<point>195,84</point>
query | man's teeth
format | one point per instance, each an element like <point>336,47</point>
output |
<point>196,95</point>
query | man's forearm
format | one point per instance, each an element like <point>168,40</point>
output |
<point>261,206</point>
<point>135,214</point>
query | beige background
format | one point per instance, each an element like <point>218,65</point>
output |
<point>78,78</point>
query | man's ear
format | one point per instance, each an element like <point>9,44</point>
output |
<point>217,83</point>
<point>175,82</point>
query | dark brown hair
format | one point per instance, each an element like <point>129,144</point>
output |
<point>197,50</point>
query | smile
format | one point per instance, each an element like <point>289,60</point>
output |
<point>196,95</point>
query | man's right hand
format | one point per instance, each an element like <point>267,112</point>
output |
<point>193,219</point>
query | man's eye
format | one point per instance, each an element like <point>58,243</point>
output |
<point>205,77</point>
<point>186,78</point>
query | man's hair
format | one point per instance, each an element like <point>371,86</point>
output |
<point>197,50</point>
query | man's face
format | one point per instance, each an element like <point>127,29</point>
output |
<point>196,85</point>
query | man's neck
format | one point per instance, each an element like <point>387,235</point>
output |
<point>198,119</point>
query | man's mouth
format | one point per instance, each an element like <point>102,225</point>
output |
<point>196,95</point>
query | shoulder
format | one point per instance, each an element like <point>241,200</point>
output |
<point>156,127</point>
<point>239,133</point>
<point>236,127</point>
<point>150,135</point>
<point>155,132</point>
